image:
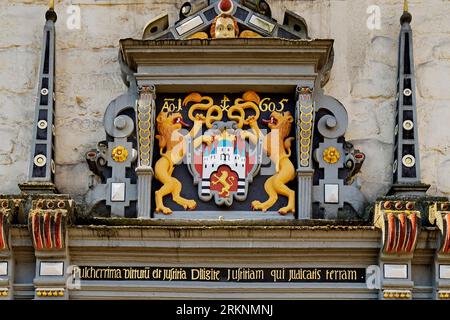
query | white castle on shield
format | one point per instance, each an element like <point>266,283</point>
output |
<point>226,150</point>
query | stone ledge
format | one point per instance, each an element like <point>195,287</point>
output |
<point>242,223</point>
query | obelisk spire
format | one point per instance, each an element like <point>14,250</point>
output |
<point>406,164</point>
<point>42,165</point>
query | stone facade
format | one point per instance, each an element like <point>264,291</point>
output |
<point>88,77</point>
<point>409,234</point>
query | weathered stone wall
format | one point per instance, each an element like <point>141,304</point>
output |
<point>88,78</point>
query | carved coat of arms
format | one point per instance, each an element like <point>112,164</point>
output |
<point>223,151</point>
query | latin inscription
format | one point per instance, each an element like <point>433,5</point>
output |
<point>221,274</point>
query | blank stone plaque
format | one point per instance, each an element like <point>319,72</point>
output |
<point>444,271</point>
<point>117,192</point>
<point>51,268</point>
<point>3,268</point>
<point>331,193</point>
<point>396,271</point>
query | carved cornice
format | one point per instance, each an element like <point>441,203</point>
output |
<point>226,51</point>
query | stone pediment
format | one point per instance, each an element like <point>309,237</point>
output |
<point>252,18</point>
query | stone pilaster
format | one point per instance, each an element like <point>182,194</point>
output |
<point>304,133</point>
<point>145,133</point>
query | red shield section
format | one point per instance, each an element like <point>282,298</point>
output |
<point>224,181</point>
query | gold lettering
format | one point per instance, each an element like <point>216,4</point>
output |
<point>281,103</point>
<point>205,274</point>
<point>174,274</point>
<point>170,106</point>
<point>245,274</point>
<point>263,105</point>
<point>341,275</point>
<point>304,274</point>
<point>156,274</point>
<point>277,274</point>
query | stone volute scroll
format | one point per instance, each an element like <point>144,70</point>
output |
<point>333,155</point>
<point>113,162</point>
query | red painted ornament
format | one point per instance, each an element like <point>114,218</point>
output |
<point>225,6</point>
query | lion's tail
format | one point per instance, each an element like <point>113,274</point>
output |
<point>287,145</point>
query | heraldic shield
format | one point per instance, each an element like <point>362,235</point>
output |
<point>224,169</point>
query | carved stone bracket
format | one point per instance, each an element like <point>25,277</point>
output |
<point>9,208</point>
<point>400,224</point>
<point>47,221</point>
<point>439,215</point>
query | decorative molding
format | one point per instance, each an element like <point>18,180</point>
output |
<point>397,294</point>
<point>305,126</point>
<point>439,215</point>
<point>9,207</point>
<point>400,224</point>
<point>197,18</point>
<point>145,128</point>
<point>47,221</point>
<point>50,292</point>
<point>145,124</point>
<point>304,119</point>
<point>206,52</point>
<point>444,294</point>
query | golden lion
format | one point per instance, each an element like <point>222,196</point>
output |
<point>173,147</point>
<point>277,145</point>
